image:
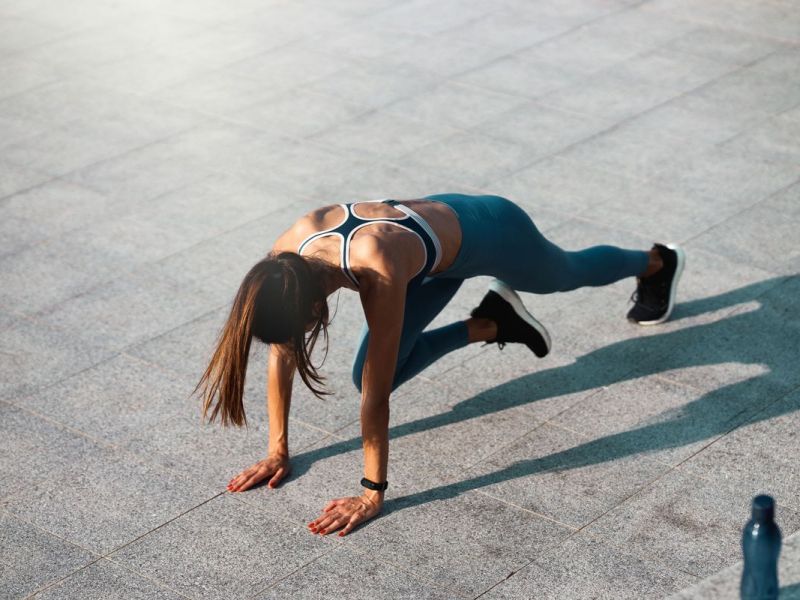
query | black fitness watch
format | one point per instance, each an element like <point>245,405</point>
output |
<point>378,487</point>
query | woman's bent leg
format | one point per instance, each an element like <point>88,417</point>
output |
<point>419,349</point>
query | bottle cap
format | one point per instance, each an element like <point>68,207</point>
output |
<point>763,508</point>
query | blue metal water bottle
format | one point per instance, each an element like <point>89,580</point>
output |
<point>761,545</point>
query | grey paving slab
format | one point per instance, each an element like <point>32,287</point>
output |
<point>652,416</point>
<point>732,46</point>
<point>562,185</point>
<point>639,155</point>
<point>734,91</point>
<point>773,138</point>
<point>759,244</point>
<point>105,499</point>
<point>583,567</point>
<point>666,67</point>
<point>61,102</point>
<point>216,92</point>
<point>685,521</point>
<point>396,180</point>
<point>714,284</point>
<point>37,354</point>
<point>696,118</point>
<point>15,178</point>
<point>458,156</point>
<point>224,44</point>
<point>104,579</point>
<point>297,113</point>
<point>767,22</point>
<point>22,31</point>
<point>787,202</point>
<point>48,210</point>
<point>609,95</point>
<point>141,174</point>
<point>383,134</point>
<point>757,456</point>
<point>115,399</point>
<point>43,275</point>
<point>35,449</point>
<point>563,476</point>
<point>654,210</point>
<point>441,17</point>
<point>59,151</point>
<point>20,75</point>
<point>521,30</point>
<point>207,208</point>
<point>289,66</point>
<point>236,550</point>
<point>347,573</point>
<point>372,84</point>
<point>582,50</point>
<point>33,558</point>
<point>303,169</point>
<point>127,310</point>
<point>456,105</point>
<point>445,55</point>
<point>253,21</point>
<point>513,75</point>
<point>365,43</point>
<point>543,129</point>
<point>450,537</point>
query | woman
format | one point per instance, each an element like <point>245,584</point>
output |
<point>406,259</point>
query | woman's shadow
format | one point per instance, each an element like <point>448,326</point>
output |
<point>765,335</point>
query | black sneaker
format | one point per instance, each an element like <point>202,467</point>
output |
<point>654,297</point>
<point>502,305</point>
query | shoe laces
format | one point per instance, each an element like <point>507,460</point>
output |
<point>649,293</point>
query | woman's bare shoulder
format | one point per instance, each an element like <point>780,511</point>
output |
<point>305,225</point>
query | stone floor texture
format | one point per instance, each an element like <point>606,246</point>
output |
<point>152,150</point>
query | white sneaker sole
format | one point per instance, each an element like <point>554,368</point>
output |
<point>678,272</point>
<point>510,296</point>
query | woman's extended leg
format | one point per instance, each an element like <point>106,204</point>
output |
<point>419,349</point>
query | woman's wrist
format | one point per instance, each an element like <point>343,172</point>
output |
<point>373,496</point>
<point>278,450</point>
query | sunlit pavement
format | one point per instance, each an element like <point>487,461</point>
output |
<point>152,151</point>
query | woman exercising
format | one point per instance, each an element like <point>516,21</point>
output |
<point>406,259</point>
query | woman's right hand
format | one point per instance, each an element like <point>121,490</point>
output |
<point>275,466</point>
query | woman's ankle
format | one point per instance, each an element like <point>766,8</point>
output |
<point>481,330</point>
<point>654,264</point>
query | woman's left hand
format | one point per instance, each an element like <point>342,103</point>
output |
<point>347,513</point>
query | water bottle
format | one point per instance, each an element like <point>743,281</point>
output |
<point>761,545</point>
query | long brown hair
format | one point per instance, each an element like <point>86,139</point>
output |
<point>276,301</point>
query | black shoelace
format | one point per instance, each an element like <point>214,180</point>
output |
<point>651,293</point>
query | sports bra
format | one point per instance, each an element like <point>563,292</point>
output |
<point>412,222</point>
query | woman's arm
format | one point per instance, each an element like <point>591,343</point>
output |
<point>280,372</point>
<point>383,299</point>
<point>383,303</point>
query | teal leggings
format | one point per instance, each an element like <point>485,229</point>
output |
<point>500,240</point>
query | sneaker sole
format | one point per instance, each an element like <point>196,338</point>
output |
<point>678,272</point>
<point>510,296</point>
